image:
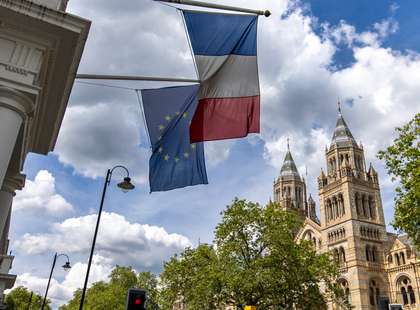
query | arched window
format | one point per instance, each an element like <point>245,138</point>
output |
<point>374,254</point>
<point>390,259</point>
<point>402,258</point>
<point>411,295</point>
<point>342,255</point>
<point>373,293</point>
<point>397,259</point>
<point>404,296</point>
<point>406,290</point>
<point>336,256</point>
<point>345,287</point>
<point>367,250</point>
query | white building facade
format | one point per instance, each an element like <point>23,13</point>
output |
<point>40,50</point>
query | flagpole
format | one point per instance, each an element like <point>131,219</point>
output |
<point>133,78</point>
<point>266,13</point>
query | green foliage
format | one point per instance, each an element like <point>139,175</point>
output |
<point>257,262</point>
<point>403,163</point>
<point>19,298</point>
<point>113,295</point>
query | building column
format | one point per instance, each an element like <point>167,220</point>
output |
<point>14,108</point>
<point>7,192</point>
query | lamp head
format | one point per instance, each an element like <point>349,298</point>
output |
<point>67,266</point>
<point>126,185</point>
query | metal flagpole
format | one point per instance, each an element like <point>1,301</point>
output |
<point>266,13</point>
<point>133,78</point>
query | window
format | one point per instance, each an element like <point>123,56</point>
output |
<point>408,295</point>
<point>412,295</point>
<point>345,287</point>
<point>397,259</point>
<point>374,254</point>
<point>374,293</point>
<point>342,257</point>
<point>402,258</point>
<point>367,250</point>
<point>404,296</point>
<point>390,259</point>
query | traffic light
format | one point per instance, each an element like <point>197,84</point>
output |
<point>136,299</point>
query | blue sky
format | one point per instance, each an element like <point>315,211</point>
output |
<point>367,53</point>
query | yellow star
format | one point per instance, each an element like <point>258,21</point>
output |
<point>176,159</point>
<point>166,157</point>
<point>193,146</point>
<point>186,155</point>
<point>168,118</point>
<point>185,115</point>
<point>160,150</point>
<point>161,127</point>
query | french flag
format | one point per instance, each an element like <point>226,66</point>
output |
<point>225,50</point>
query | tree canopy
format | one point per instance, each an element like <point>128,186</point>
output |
<point>402,160</point>
<point>113,295</point>
<point>20,298</point>
<point>255,261</point>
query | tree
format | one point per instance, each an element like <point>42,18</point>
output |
<point>149,282</point>
<point>402,160</point>
<point>257,262</point>
<point>113,294</point>
<point>20,297</point>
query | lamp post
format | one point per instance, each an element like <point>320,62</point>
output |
<point>66,267</point>
<point>125,186</point>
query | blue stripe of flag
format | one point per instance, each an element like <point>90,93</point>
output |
<point>215,34</point>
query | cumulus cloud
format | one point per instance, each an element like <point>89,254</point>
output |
<point>40,195</point>
<point>138,245</point>
<point>61,291</point>
<point>97,137</point>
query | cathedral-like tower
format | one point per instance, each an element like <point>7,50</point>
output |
<point>352,219</point>
<point>290,189</point>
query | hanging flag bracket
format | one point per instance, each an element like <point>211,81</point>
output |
<point>133,78</point>
<point>266,13</point>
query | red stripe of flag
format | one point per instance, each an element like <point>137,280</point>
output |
<point>225,118</point>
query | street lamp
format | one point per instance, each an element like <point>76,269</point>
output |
<point>66,267</point>
<point>125,186</point>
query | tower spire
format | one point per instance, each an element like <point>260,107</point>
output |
<point>339,107</point>
<point>288,144</point>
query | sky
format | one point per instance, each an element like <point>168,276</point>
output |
<point>311,54</point>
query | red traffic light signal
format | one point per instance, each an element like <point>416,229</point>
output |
<point>136,299</point>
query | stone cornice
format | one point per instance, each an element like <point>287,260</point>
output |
<point>13,183</point>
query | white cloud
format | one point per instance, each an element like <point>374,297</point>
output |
<point>97,137</point>
<point>40,195</point>
<point>62,291</point>
<point>138,245</point>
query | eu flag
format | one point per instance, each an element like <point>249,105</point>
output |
<point>175,162</point>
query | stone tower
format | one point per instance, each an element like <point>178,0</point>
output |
<point>290,188</point>
<point>352,219</point>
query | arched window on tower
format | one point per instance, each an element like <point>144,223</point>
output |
<point>345,287</point>
<point>374,293</point>
<point>404,296</point>
<point>374,254</point>
<point>342,256</point>
<point>367,252</point>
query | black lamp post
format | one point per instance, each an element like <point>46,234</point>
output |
<point>66,267</point>
<point>125,186</point>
